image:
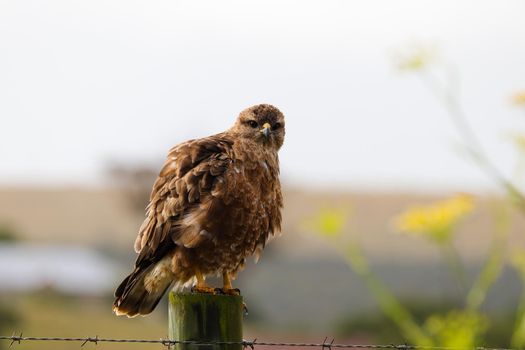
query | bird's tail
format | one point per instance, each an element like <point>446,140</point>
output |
<point>140,292</point>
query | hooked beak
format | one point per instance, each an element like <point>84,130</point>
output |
<point>267,128</point>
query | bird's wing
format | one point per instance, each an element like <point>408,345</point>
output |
<point>192,173</point>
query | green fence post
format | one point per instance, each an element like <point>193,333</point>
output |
<point>205,318</point>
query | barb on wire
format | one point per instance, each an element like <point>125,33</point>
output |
<point>91,340</point>
<point>245,344</point>
<point>328,345</point>
<point>166,343</point>
<point>404,346</point>
<point>250,345</point>
<point>15,339</point>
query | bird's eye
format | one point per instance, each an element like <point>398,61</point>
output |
<point>276,126</point>
<point>253,123</point>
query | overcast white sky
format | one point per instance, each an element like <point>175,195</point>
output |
<point>83,83</point>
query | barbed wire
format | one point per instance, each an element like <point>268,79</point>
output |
<point>246,344</point>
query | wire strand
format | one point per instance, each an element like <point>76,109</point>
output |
<point>244,343</point>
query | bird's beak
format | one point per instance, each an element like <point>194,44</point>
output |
<point>267,128</point>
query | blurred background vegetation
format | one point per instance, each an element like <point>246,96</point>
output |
<point>463,322</point>
<point>426,247</point>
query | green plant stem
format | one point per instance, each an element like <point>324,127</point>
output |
<point>387,302</point>
<point>472,144</point>
<point>456,266</point>
<point>494,263</point>
<point>518,334</point>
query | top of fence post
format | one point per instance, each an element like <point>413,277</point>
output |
<point>205,318</point>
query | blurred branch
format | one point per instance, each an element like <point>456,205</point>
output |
<point>388,303</point>
<point>518,336</point>
<point>472,144</point>
<point>456,266</point>
<point>494,263</point>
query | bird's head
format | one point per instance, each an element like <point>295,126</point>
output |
<point>262,123</point>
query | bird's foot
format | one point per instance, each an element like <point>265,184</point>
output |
<point>228,291</point>
<point>203,290</point>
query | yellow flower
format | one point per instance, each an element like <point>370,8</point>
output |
<point>415,57</point>
<point>519,98</point>
<point>457,329</point>
<point>328,222</point>
<point>435,221</point>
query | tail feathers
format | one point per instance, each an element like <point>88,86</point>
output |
<point>141,291</point>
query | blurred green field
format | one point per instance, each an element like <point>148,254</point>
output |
<point>52,315</point>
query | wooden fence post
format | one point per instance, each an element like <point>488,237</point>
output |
<point>205,317</point>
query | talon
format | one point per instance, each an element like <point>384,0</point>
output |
<point>218,291</point>
<point>231,291</point>
<point>201,286</point>
<point>245,308</point>
<point>203,290</point>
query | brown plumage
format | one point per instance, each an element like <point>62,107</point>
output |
<point>216,201</point>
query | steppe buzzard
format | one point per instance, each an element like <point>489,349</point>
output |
<point>216,201</point>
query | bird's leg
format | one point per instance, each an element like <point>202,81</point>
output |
<point>227,287</point>
<point>201,286</point>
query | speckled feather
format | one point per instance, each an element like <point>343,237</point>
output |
<point>216,202</point>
